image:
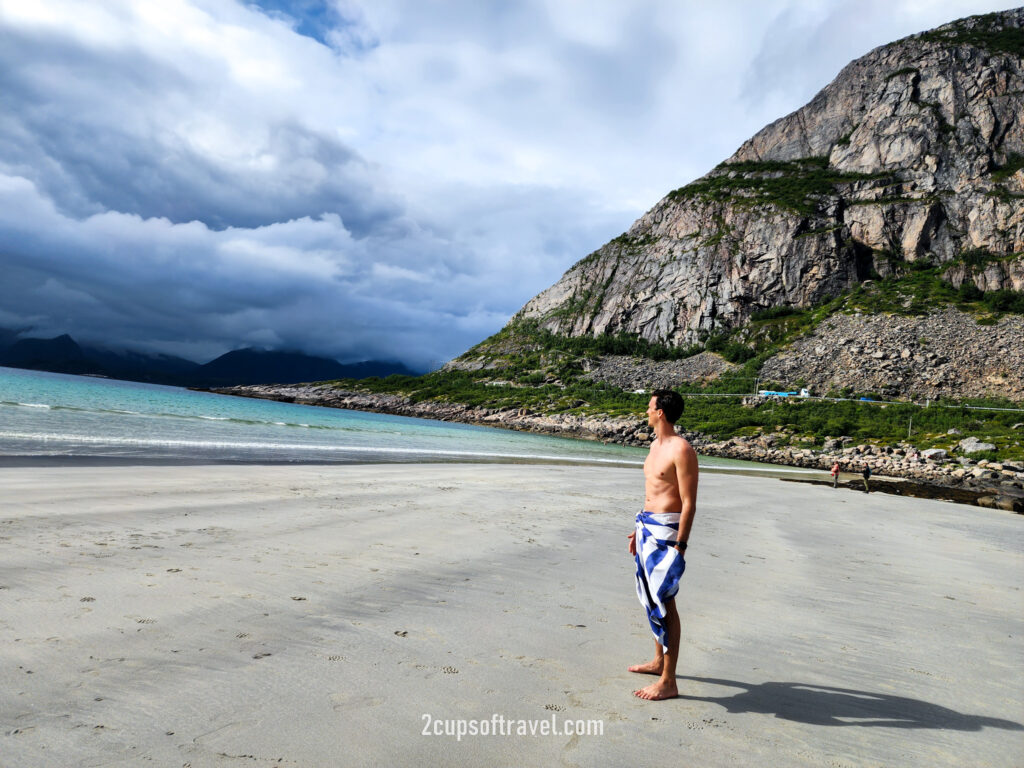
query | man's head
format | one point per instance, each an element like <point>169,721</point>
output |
<point>668,402</point>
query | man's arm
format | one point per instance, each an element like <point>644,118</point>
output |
<point>686,479</point>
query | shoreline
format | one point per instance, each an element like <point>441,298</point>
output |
<point>979,483</point>
<point>83,460</point>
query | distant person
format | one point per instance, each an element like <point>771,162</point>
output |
<point>835,475</point>
<point>659,542</point>
<point>866,474</point>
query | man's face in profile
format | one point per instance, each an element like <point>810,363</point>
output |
<point>652,412</point>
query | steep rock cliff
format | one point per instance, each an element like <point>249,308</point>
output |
<point>914,152</point>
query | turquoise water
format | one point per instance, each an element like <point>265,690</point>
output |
<point>53,414</point>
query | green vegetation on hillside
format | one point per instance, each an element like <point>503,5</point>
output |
<point>922,287</point>
<point>1013,164</point>
<point>796,185</point>
<point>987,33</point>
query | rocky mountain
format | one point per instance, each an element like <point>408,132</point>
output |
<point>912,158</point>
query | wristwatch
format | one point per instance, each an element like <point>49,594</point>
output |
<point>681,545</point>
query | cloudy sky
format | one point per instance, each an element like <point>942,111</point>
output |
<point>389,179</point>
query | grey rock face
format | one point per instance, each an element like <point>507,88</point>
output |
<point>908,155</point>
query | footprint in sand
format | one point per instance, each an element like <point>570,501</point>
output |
<point>554,707</point>
<point>450,670</point>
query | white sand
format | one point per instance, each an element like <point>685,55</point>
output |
<point>311,616</point>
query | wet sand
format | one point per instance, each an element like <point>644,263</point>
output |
<point>314,615</point>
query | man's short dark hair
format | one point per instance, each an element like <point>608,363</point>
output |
<point>670,403</point>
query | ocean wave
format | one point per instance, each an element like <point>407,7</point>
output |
<point>181,416</point>
<point>56,407</point>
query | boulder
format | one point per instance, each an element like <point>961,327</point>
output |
<point>936,454</point>
<point>1008,503</point>
<point>974,445</point>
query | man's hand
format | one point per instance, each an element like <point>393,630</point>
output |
<point>632,543</point>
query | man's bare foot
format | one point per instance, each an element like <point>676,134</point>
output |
<point>650,668</point>
<point>658,691</point>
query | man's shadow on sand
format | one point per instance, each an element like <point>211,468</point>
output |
<point>826,705</point>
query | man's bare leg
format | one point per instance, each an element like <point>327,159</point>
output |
<point>665,687</point>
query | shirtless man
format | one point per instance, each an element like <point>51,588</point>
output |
<point>670,501</point>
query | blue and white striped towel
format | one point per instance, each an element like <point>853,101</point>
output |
<point>659,566</point>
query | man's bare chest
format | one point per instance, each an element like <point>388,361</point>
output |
<point>658,468</point>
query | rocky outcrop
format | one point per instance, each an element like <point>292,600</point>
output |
<point>945,354</point>
<point>913,153</point>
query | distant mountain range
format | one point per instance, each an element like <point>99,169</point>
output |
<point>241,366</point>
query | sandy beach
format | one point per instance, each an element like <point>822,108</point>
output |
<point>326,615</point>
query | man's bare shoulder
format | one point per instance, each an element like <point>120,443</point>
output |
<point>682,451</point>
<point>678,444</point>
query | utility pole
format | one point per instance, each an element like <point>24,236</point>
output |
<point>910,426</point>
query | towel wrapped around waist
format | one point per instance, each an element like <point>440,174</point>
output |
<point>659,566</point>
